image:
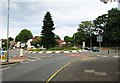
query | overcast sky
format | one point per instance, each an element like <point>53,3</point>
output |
<point>66,14</point>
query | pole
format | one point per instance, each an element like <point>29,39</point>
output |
<point>99,45</point>
<point>74,40</point>
<point>8,32</point>
<point>90,38</point>
<point>90,41</point>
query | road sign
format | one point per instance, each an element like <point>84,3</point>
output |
<point>99,38</point>
<point>3,56</point>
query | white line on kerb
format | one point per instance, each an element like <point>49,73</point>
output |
<point>5,68</point>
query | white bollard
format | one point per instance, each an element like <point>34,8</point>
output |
<point>21,52</point>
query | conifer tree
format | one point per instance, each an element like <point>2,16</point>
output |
<point>48,37</point>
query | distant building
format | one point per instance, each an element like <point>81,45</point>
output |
<point>60,42</point>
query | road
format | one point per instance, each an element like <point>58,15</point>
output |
<point>38,67</point>
<point>96,68</point>
<point>90,66</point>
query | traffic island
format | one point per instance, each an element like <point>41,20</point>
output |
<point>15,59</point>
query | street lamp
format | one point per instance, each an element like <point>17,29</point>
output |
<point>8,32</point>
<point>105,1</point>
<point>74,41</point>
<point>90,38</point>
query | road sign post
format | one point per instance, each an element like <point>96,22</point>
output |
<point>3,56</point>
<point>99,39</point>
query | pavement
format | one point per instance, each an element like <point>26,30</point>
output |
<point>17,59</point>
<point>14,59</point>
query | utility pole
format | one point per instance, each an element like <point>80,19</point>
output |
<point>90,38</point>
<point>74,41</point>
<point>8,32</point>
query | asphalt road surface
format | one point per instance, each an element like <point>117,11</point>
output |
<point>38,67</point>
<point>87,66</point>
<point>96,68</point>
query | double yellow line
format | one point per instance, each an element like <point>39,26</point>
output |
<point>54,74</point>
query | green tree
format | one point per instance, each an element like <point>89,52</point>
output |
<point>78,38</point>
<point>85,31</point>
<point>67,39</point>
<point>24,36</point>
<point>36,41</point>
<point>10,39</point>
<point>48,37</point>
<point>110,25</point>
<point>113,25</point>
<point>57,37</point>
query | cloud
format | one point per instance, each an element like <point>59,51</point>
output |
<point>66,14</point>
<point>65,31</point>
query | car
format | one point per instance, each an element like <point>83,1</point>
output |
<point>88,48</point>
<point>95,49</point>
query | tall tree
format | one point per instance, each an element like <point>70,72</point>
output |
<point>86,30</point>
<point>113,25</point>
<point>48,37</point>
<point>24,36</point>
<point>110,25</point>
<point>67,39</point>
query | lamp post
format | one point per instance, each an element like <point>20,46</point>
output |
<point>105,1</point>
<point>8,32</point>
<point>74,41</point>
<point>90,38</point>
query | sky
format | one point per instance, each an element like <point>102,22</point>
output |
<point>66,14</point>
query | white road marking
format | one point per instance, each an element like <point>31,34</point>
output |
<point>5,65</point>
<point>38,58</point>
<point>22,62</point>
<point>9,65</point>
<point>89,71</point>
<point>32,60</point>
<point>100,73</point>
<point>32,57</point>
<point>5,68</point>
<point>116,56</point>
<point>104,56</point>
<point>98,55</point>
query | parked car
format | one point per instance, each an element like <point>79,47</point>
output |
<point>95,49</point>
<point>88,48</point>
